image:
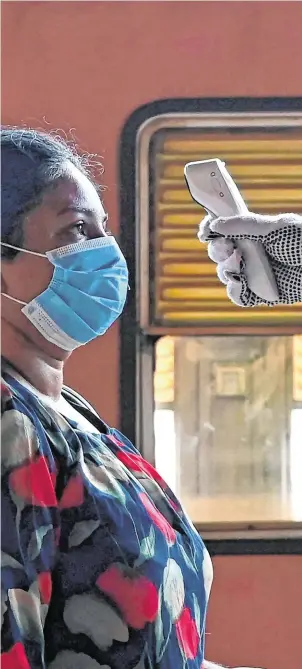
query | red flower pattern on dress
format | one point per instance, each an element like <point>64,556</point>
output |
<point>73,494</point>
<point>5,391</point>
<point>15,658</point>
<point>159,520</point>
<point>187,634</point>
<point>136,597</point>
<point>147,600</point>
<point>137,464</point>
<point>45,586</point>
<point>117,441</point>
<point>34,483</point>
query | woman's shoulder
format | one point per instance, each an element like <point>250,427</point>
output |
<point>19,436</point>
<point>12,396</point>
<point>25,447</point>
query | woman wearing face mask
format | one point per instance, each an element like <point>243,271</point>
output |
<point>101,568</point>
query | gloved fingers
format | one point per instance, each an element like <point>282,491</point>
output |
<point>230,268</point>
<point>220,249</point>
<point>237,294</point>
<point>249,226</point>
<point>238,291</point>
<point>204,230</point>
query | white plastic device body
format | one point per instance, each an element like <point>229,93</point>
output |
<point>211,186</point>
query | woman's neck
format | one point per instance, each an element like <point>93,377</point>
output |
<point>43,372</point>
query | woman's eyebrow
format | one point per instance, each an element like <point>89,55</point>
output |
<point>77,209</point>
<point>83,210</point>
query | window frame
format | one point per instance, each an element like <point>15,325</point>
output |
<point>137,343</point>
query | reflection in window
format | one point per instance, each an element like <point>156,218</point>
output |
<point>228,425</point>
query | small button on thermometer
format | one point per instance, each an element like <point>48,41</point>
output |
<point>212,187</point>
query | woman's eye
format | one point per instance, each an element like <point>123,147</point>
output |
<point>80,228</point>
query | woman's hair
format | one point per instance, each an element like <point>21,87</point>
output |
<point>31,163</point>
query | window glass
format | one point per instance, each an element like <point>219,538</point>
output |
<point>228,425</point>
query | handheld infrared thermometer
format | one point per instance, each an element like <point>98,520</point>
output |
<point>211,186</point>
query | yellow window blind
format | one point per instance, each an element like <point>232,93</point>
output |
<point>267,167</point>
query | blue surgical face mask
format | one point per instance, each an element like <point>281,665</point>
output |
<point>87,292</point>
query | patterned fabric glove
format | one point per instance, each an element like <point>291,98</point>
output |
<point>281,237</point>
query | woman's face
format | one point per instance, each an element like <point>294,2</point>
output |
<point>69,213</point>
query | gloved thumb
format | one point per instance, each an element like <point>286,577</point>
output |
<point>248,226</point>
<point>204,228</point>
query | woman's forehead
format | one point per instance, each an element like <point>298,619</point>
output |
<point>74,190</point>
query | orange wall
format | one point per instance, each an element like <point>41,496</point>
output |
<point>88,65</point>
<point>255,612</point>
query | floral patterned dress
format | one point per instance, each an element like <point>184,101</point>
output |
<point>101,568</point>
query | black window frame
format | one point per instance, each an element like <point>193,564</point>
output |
<point>129,328</point>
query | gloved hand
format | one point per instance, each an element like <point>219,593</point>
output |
<point>281,237</point>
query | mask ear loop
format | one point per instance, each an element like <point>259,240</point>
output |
<point>9,297</point>
<point>17,248</point>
